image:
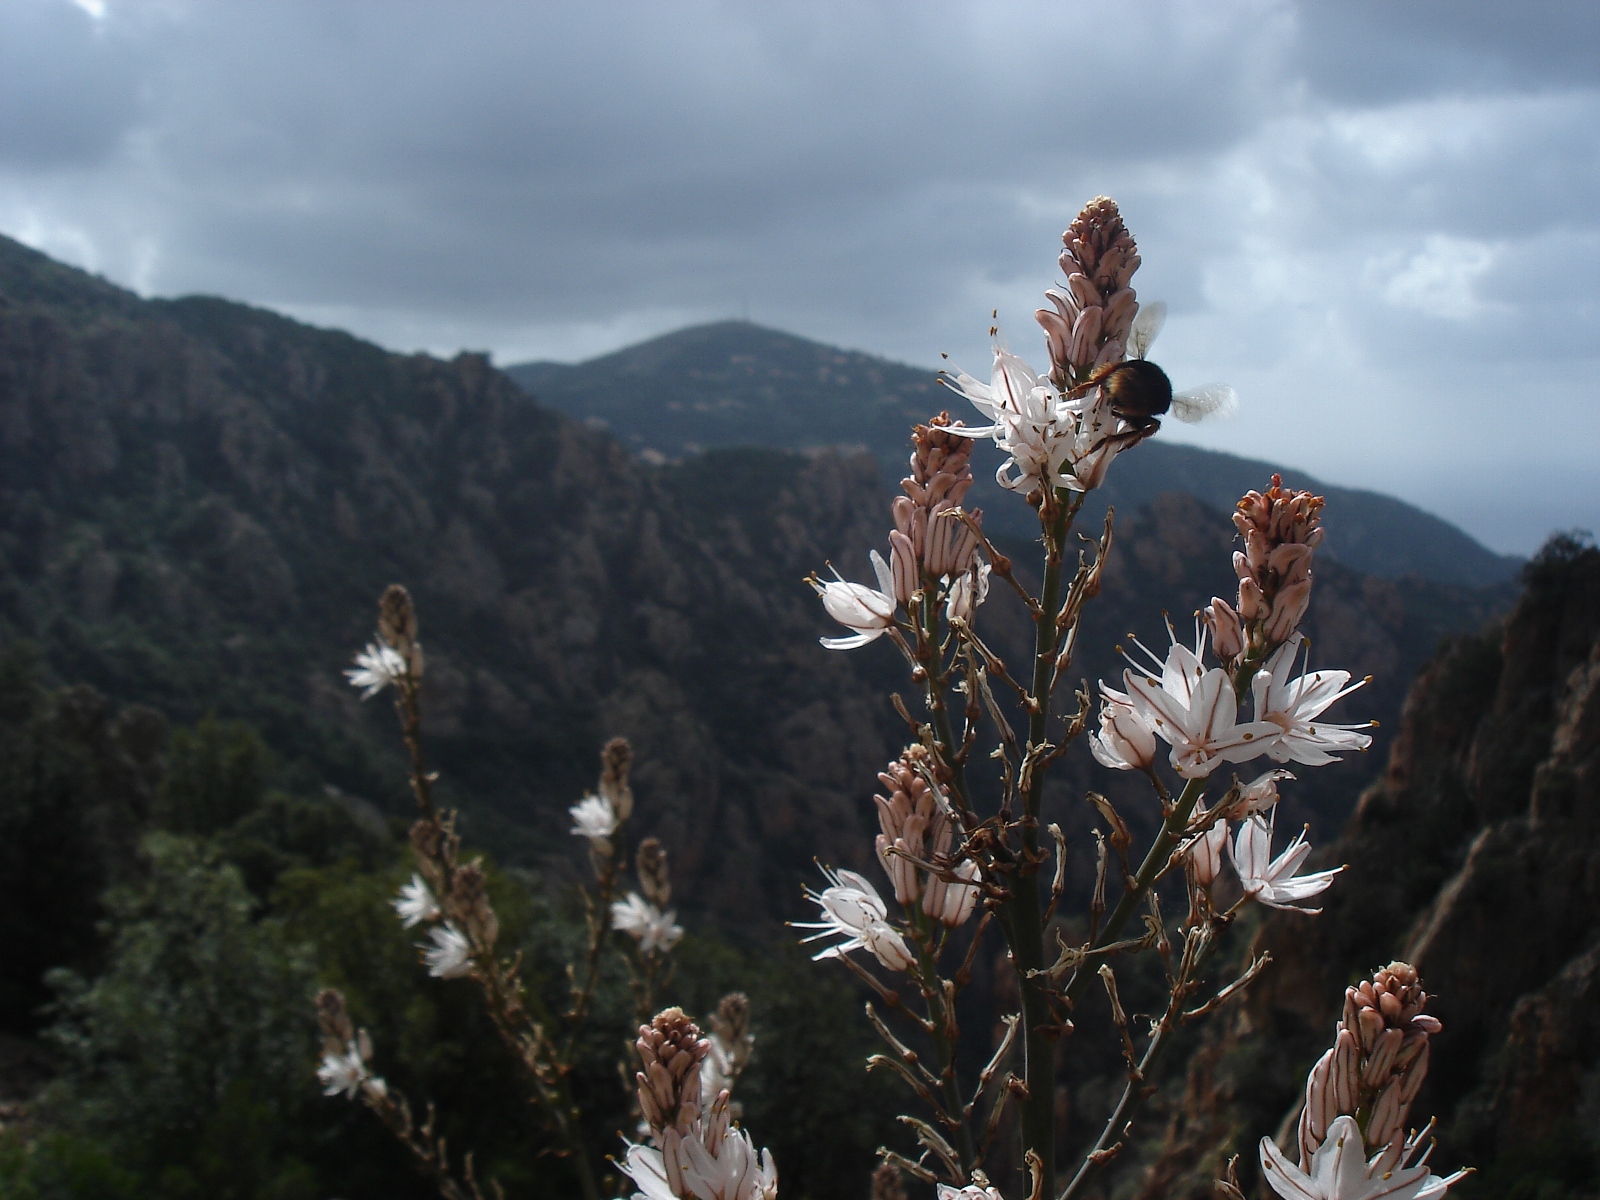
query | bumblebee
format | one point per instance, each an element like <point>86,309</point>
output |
<point>1140,393</point>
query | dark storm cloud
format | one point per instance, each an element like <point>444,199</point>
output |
<point>1378,219</point>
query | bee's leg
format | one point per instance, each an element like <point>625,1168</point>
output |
<point>1142,428</point>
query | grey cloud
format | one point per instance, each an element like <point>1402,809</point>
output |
<point>68,93</point>
<point>1374,205</point>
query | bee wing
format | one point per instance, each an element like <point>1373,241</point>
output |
<point>1208,400</point>
<point>1146,324</point>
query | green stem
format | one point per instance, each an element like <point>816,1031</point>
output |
<point>1044,646</point>
<point>949,1082</point>
<point>1022,917</point>
<point>938,710</point>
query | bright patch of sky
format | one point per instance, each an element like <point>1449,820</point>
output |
<point>1380,222</point>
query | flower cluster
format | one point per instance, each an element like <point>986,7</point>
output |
<point>1353,1143</point>
<point>697,1152</point>
<point>451,898</point>
<point>1087,324</point>
<point>1060,430</point>
<point>646,919</point>
<point>917,829</point>
<point>932,546</point>
<point>929,537</point>
<point>1281,529</point>
<point>1195,711</point>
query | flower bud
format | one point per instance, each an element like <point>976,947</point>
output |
<point>1227,634</point>
<point>655,880</point>
<point>1281,528</point>
<point>1378,1062</point>
<point>615,760</point>
<point>1126,741</point>
<point>913,823</point>
<point>902,566</point>
<point>671,1052</point>
<point>334,1018</point>
<point>1087,325</point>
<point>397,619</point>
<point>1205,856</point>
<point>888,1183</point>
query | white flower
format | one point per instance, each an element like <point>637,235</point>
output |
<point>853,910</point>
<point>415,903</point>
<point>1127,740</point>
<point>654,930</point>
<point>450,956</point>
<point>1029,420</point>
<point>858,607</point>
<point>1193,710</point>
<point>714,1162</point>
<point>967,591</point>
<point>376,668</point>
<point>971,1192</point>
<point>1294,705</point>
<point>1341,1170</point>
<point>1270,880</point>
<point>343,1072</point>
<point>1094,444</point>
<point>593,818</point>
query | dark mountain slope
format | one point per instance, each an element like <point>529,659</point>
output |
<point>738,384</point>
<point>200,501</point>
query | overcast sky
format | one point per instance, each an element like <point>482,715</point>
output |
<point>1380,221</point>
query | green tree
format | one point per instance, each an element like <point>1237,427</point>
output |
<point>216,776</point>
<point>193,1053</point>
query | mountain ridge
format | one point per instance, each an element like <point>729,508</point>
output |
<point>199,501</point>
<point>732,383</point>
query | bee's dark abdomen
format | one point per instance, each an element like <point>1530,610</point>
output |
<point>1138,388</point>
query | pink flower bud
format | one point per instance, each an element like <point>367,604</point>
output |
<point>902,566</point>
<point>1205,856</point>
<point>1287,609</point>
<point>1252,604</point>
<point>1227,634</point>
<point>1086,336</point>
<point>1058,339</point>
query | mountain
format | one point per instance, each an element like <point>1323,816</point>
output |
<point>738,384</point>
<point>200,501</point>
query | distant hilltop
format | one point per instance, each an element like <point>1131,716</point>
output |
<point>733,383</point>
